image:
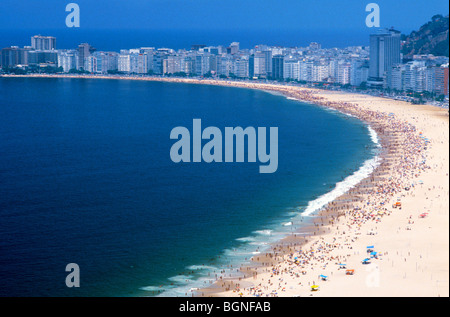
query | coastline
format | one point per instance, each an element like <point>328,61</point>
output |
<point>412,252</point>
<point>412,255</point>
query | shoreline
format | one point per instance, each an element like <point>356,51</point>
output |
<point>412,252</point>
<point>293,258</point>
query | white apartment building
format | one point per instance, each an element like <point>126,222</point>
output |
<point>240,68</point>
<point>68,60</point>
<point>291,69</point>
<point>320,72</point>
<point>124,63</point>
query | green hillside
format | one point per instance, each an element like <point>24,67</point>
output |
<point>431,38</point>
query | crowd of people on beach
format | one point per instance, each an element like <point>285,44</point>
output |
<point>403,158</point>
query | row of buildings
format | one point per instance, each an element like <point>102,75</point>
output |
<point>377,66</point>
<point>261,62</point>
<point>425,73</point>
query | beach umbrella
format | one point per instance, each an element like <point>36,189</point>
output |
<point>314,287</point>
<point>366,261</point>
<point>323,277</point>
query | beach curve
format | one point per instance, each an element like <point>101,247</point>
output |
<point>410,241</point>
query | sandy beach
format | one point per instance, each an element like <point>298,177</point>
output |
<point>401,211</point>
<point>411,240</point>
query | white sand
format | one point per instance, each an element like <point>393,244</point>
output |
<point>415,251</point>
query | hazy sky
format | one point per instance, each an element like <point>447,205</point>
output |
<point>405,15</point>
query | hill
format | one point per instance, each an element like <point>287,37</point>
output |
<point>431,38</point>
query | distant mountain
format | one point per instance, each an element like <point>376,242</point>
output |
<point>431,38</point>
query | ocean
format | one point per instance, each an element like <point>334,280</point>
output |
<point>86,177</point>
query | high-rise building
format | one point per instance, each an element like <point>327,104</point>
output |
<point>268,62</point>
<point>291,69</point>
<point>187,64</point>
<point>14,56</point>
<point>306,70</point>
<point>384,53</point>
<point>441,80</point>
<point>43,43</point>
<point>124,62</point>
<point>68,60</point>
<point>148,53</point>
<point>102,62</point>
<point>84,51</point>
<point>277,67</point>
<point>303,70</point>
<point>234,48</point>
<point>343,72</point>
<point>172,64</point>
<point>320,72</point>
<point>257,65</point>
<point>394,78</point>
<point>359,72</point>
<point>414,76</point>
<point>241,66</point>
<point>43,57</point>
<point>138,62</point>
<point>158,63</point>
<point>225,65</point>
<point>202,64</point>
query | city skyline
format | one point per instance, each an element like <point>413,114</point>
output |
<point>377,66</point>
<point>375,62</point>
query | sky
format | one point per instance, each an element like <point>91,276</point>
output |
<point>217,14</point>
<point>248,21</point>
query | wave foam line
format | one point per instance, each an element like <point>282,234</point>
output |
<point>342,187</point>
<point>374,136</point>
<point>350,181</point>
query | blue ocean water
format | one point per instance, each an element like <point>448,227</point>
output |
<point>86,177</point>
